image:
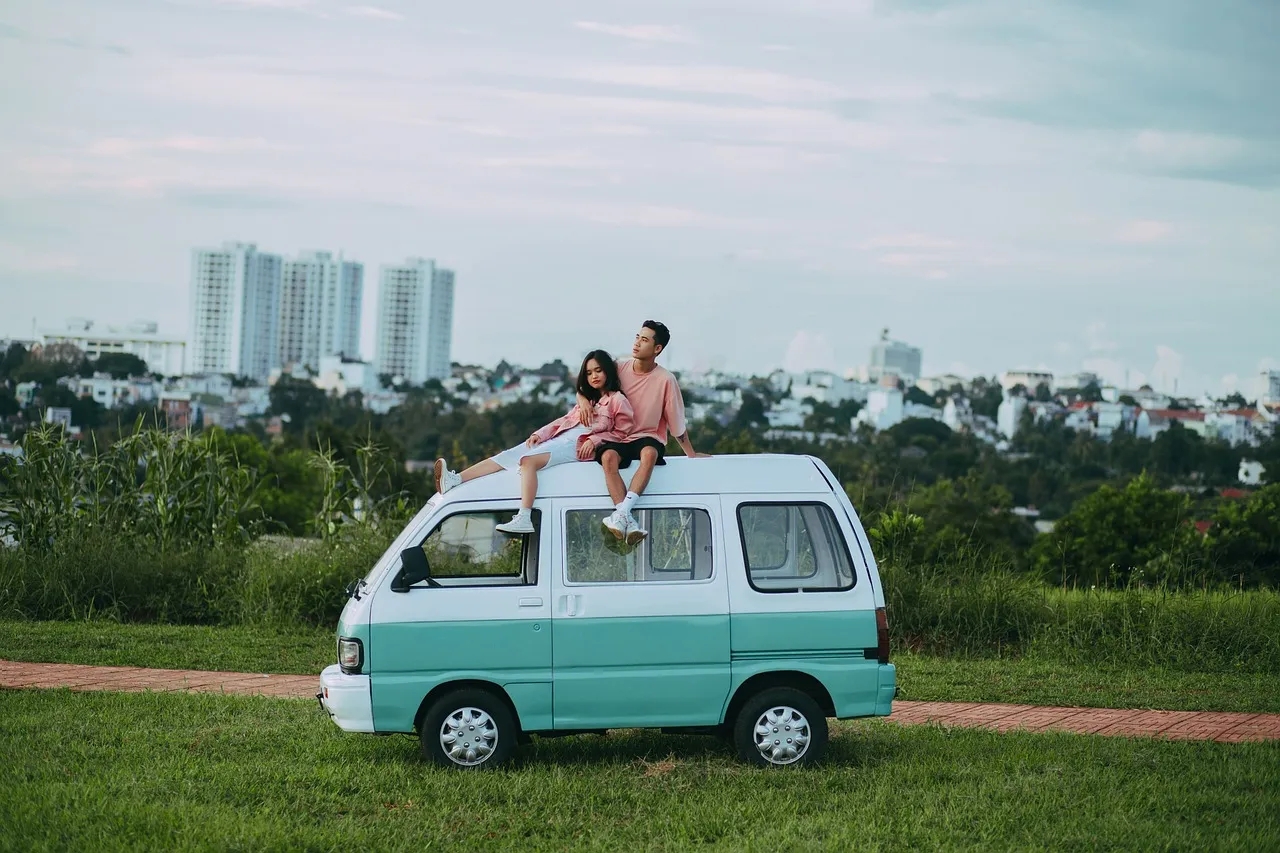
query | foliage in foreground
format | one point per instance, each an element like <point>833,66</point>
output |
<point>132,771</point>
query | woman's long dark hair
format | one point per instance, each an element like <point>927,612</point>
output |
<point>610,369</point>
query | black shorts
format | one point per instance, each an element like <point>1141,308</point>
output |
<point>630,450</point>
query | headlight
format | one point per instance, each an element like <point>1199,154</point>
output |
<point>350,655</point>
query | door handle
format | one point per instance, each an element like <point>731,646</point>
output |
<point>530,602</point>
<point>568,605</point>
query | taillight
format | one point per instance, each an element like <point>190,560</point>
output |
<point>882,635</point>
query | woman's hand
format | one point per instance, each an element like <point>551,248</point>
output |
<point>586,451</point>
<point>533,441</point>
<point>586,411</point>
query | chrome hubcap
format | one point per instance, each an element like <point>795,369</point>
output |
<point>468,736</point>
<point>782,735</point>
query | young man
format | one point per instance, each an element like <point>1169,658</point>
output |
<point>655,397</point>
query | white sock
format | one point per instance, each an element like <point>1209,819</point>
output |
<point>628,502</point>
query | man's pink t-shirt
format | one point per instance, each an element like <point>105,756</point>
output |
<point>655,398</point>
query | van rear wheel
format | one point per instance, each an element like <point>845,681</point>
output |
<point>469,729</point>
<point>780,727</point>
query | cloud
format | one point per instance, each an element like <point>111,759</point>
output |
<point>229,199</point>
<point>1096,338</point>
<point>1203,156</point>
<point>1114,372</point>
<point>114,146</point>
<point>1168,367</point>
<point>8,31</point>
<point>714,80</point>
<point>1143,231</point>
<point>808,351</point>
<point>910,241</point>
<point>18,258</point>
<point>290,5</point>
<point>639,32</point>
<point>373,12</point>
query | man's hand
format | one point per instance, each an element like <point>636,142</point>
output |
<point>687,446</point>
<point>586,411</point>
<point>533,441</point>
<point>586,451</point>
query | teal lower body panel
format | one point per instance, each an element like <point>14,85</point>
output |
<point>830,645</point>
<point>410,659</point>
<point>854,683</point>
<point>623,672</point>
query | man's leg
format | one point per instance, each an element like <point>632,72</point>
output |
<point>614,522</point>
<point>648,459</point>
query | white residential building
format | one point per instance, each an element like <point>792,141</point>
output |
<point>164,354</point>
<point>320,302</point>
<point>1270,382</point>
<point>415,321</point>
<point>894,358</point>
<point>1250,473</point>
<point>341,376</point>
<point>235,311</point>
<point>1009,415</point>
<point>883,409</point>
<point>111,393</point>
<point>945,382</point>
<point>1029,379</point>
<point>826,387</point>
<point>1078,380</point>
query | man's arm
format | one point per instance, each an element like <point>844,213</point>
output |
<point>687,446</point>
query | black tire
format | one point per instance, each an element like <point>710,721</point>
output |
<point>498,734</point>
<point>780,700</point>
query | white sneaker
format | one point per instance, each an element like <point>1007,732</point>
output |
<point>446,479</point>
<point>635,533</point>
<point>616,524</point>
<point>521,524</point>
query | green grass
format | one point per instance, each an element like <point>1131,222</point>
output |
<point>158,771</point>
<point>1028,680</point>
<point>1037,681</point>
<point>105,643</point>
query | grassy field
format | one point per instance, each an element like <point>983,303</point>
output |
<point>1028,680</point>
<point>129,771</point>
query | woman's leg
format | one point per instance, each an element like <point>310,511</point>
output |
<point>481,469</point>
<point>529,468</point>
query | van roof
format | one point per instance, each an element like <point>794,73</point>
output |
<point>731,474</point>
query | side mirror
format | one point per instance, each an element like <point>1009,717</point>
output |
<point>413,569</point>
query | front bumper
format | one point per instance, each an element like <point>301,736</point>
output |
<point>346,699</point>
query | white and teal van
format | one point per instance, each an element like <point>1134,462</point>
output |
<point>753,609</point>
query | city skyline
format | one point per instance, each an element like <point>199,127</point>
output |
<point>1071,187</point>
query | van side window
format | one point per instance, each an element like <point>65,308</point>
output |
<point>789,547</point>
<point>466,550</point>
<point>678,548</point>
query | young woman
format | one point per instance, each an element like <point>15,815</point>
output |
<point>562,440</point>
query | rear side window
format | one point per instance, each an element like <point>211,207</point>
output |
<point>790,547</point>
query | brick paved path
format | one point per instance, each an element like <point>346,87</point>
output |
<point>1179,725</point>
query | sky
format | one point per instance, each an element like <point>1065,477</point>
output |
<point>1062,185</point>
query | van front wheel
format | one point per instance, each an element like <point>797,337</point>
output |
<point>780,727</point>
<point>469,729</point>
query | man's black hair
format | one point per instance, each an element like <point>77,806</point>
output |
<point>661,334</point>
